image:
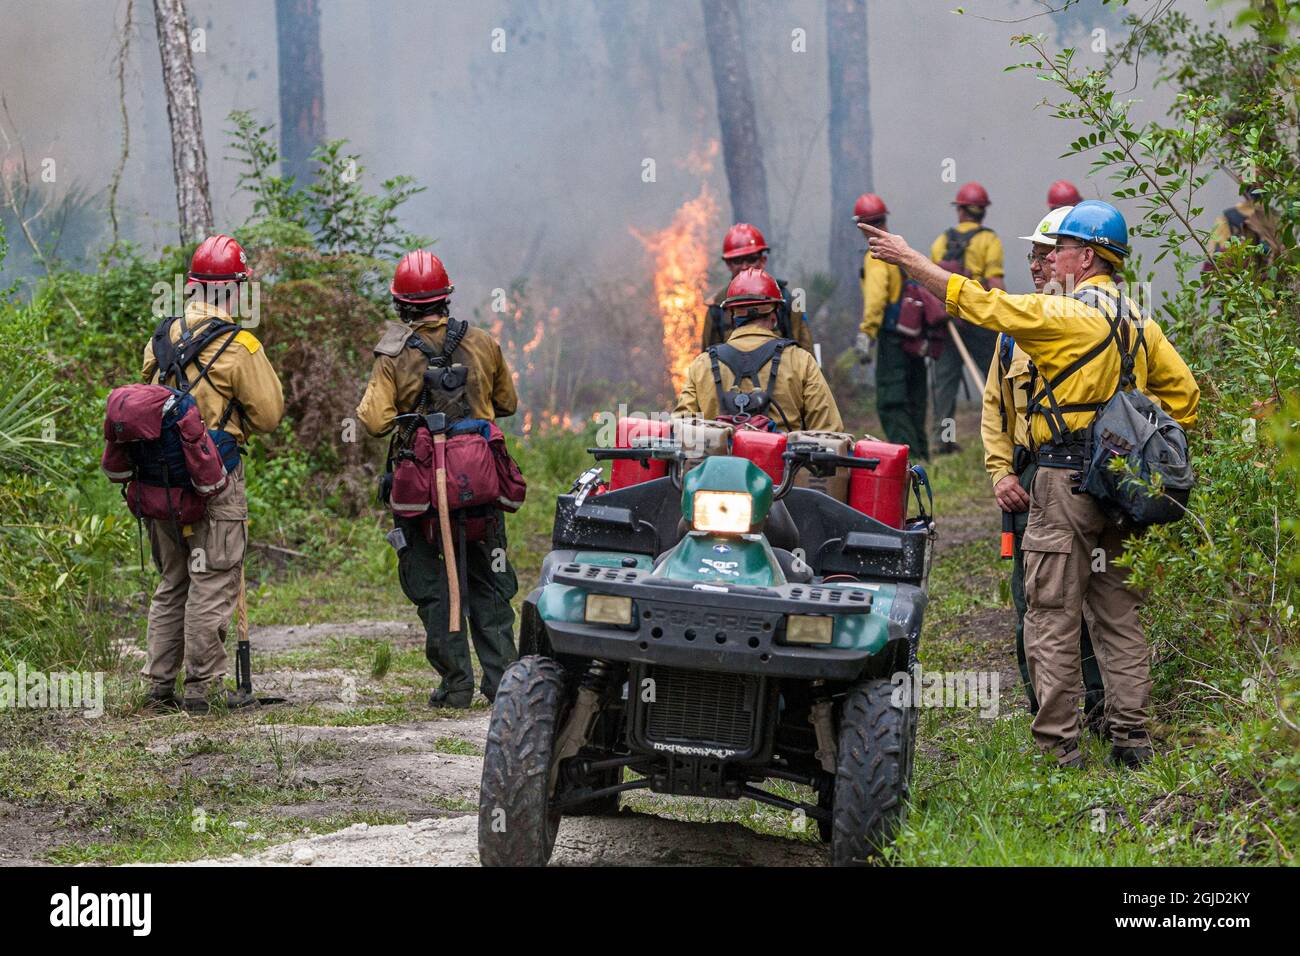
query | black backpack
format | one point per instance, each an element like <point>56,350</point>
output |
<point>444,382</point>
<point>174,357</point>
<point>443,392</point>
<point>954,255</point>
<point>738,406</point>
<point>1137,464</point>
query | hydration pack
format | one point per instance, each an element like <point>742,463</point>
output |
<point>155,441</point>
<point>739,407</point>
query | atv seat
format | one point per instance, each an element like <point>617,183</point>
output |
<point>781,531</point>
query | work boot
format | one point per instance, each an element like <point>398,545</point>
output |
<point>1068,755</point>
<point>1130,758</point>
<point>459,699</point>
<point>225,700</point>
<point>161,698</point>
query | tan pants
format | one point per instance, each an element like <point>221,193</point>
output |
<point>1070,548</point>
<point>191,608</point>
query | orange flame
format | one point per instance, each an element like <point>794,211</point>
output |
<point>681,255</point>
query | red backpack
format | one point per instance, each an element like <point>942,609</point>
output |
<point>922,321</point>
<point>155,443</point>
<point>482,479</point>
<point>155,440</point>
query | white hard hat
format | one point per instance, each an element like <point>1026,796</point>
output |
<point>1043,235</point>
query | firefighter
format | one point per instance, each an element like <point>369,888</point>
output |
<point>970,248</point>
<point>1249,222</point>
<point>237,393</point>
<point>421,294</point>
<point>786,383</point>
<point>1070,543</point>
<point>1062,193</point>
<point>900,378</point>
<point>743,247</point>
<point>1004,426</point>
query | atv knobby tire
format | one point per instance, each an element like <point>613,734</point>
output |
<point>873,773</point>
<point>516,825</point>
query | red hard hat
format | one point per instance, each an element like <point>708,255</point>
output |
<point>868,207</point>
<point>752,287</point>
<point>742,240</point>
<point>218,259</point>
<point>1062,193</point>
<point>421,278</point>
<point>972,194</point>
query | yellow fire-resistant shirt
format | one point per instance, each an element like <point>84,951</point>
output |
<point>882,286</point>
<point>1055,330</point>
<point>1003,422</point>
<point>799,329</point>
<point>241,373</point>
<point>800,389</point>
<point>983,255</point>
<point>397,377</point>
<point>1258,227</point>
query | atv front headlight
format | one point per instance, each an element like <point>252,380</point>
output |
<point>723,512</point>
<point>809,629</point>
<point>608,609</point>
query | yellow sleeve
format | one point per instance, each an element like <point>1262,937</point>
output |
<point>505,401</point>
<point>688,402</point>
<point>939,247</point>
<point>149,365</point>
<point>990,256</point>
<point>1031,319</point>
<point>802,331</point>
<point>997,439</point>
<point>378,408</point>
<point>820,413</point>
<point>257,387</point>
<point>1221,235</point>
<point>1169,380</point>
<point>709,336</point>
<point>875,295</point>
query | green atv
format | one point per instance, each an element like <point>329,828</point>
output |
<point>699,636</point>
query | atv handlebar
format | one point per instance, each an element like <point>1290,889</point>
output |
<point>818,461</point>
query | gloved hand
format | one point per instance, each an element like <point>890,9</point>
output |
<point>863,346</point>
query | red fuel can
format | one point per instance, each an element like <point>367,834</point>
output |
<point>881,493</point>
<point>763,449</point>
<point>625,472</point>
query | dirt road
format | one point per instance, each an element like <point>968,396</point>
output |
<point>429,771</point>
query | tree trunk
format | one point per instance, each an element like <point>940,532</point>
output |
<point>189,158</point>
<point>850,143</point>
<point>742,150</point>
<point>302,85</point>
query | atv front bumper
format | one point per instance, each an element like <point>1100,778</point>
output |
<point>731,628</point>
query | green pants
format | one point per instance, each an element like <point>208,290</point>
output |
<point>900,395</point>
<point>981,343</point>
<point>1094,695</point>
<point>490,582</point>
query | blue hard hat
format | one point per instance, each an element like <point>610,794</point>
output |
<point>1097,222</point>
